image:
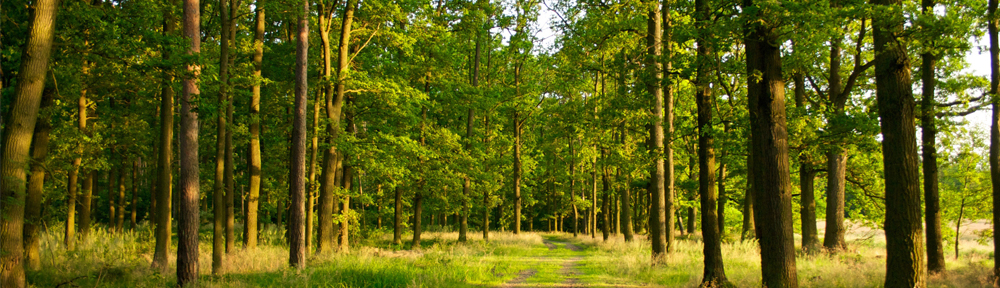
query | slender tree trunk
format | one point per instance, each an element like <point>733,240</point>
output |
<point>770,154</point>
<point>418,201</point>
<point>120,222</point>
<point>894,94</point>
<point>606,191</point>
<point>517,173</point>
<point>572,183</point>
<point>250,221</point>
<point>397,220</point>
<point>994,158</point>
<point>928,129</point>
<point>86,199</point>
<point>187,220</point>
<point>36,181</point>
<point>164,165</point>
<point>133,205</point>
<point>958,226</point>
<point>749,231</point>
<point>807,178</point>
<point>714,270</point>
<point>658,208</point>
<point>218,192</point>
<point>311,184</point>
<point>297,175</point>
<point>230,210</point>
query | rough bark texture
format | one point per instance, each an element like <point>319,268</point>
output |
<point>893,91</point>
<point>769,147</point>
<point>297,175</point>
<point>36,182</point>
<point>164,163</point>
<point>714,270</point>
<point>17,140</point>
<point>928,129</point>
<point>187,202</point>
<point>253,195</point>
<point>657,211</point>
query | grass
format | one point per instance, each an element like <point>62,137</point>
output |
<point>122,260</point>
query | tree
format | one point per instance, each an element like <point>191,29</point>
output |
<point>253,195</point>
<point>17,140</point>
<point>297,213</point>
<point>36,181</point>
<point>903,230</point>
<point>769,147</point>
<point>993,25</point>
<point>658,228</point>
<point>218,192</point>
<point>188,218</point>
<point>928,138</point>
<point>714,271</point>
<point>164,163</point>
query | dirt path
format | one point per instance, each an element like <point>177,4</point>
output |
<point>568,272</point>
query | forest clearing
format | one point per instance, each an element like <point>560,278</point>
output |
<point>500,143</point>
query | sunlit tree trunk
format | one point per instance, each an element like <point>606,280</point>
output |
<point>297,175</point>
<point>769,148</point>
<point>188,218</point>
<point>994,158</point>
<point>253,195</point>
<point>894,94</point>
<point>218,192</point>
<point>714,271</point>
<point>658,229</point>
<point>17,140</point>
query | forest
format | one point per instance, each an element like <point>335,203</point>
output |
<point>499,143</point>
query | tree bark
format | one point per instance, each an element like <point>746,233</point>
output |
<point>164,165</point>
<point>120,222</point>
<point>928,129</point>
<point>770,153</point>
<point>36,182</point>
<point>297,175</point>
<point>654,47</point>
<point>188,218</point>
<point>714,270</point>
<point>894,94</point>
<point>253,195</point>
<point>606,193</point>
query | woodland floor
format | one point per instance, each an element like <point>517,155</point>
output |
<point>507,260</point>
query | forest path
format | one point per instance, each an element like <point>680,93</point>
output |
<point>560,267</point>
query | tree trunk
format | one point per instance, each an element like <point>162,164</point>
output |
<point>606,191</point>
<point>218,192</point>
<point>657,210</point>
<point>17,140</point>
<point>417,209</point>
<point>297,175</point>
<point>894,94</point>
<point>187,220</point>
<point>810,236</point>
<point>397,220</point>
<point>135,194</point>
<point>311,184</point>
<point>86,199</point>
<point>334,104</point>
<point>517,173</point>
<point>36,181</point>
<point>572,183</point>
<point>770,154</point>
<point>253,195</point>
<point>164,163</point>
<point>928,129</point>
<point>749,231</point>
<point>230,210</point>
<point>120,222</point>
<point>714,270</point>
<point>994,158</point>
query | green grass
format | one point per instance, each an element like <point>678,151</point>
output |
<point>122,260</point>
